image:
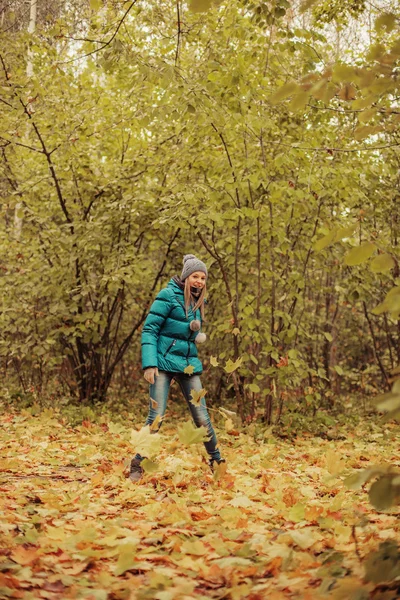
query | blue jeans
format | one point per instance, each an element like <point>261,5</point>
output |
<point>158,404</point>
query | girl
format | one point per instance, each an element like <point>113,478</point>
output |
<point>169,337</point>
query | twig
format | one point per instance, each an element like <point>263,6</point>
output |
<point>179,32</point>
<point>105,43</point>
<point>230,163</point>
<point>14,143</point>
<point>374,345</point>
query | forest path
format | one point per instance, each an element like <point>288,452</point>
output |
<point>278,524</point>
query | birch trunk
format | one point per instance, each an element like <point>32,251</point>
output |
<point>18,220</point>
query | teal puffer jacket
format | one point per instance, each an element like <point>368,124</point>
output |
<point>167,340</point>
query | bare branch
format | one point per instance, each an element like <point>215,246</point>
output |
<point>178,15</point>
<point>105,44</point>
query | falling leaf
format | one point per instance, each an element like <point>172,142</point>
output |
<point>197,396</point>
<point>213,361</point>
<point>232,366</point>
<point>360,254</point>
<point>190,434</point>
<point>229,425</point>
<point>347,92</point>
<point>144,442</point>
<point>382,263</point>
<point>149,466</point>
<point>225,411</point>
<point>200,5</point>
<point>189,370</point>
<point>325,241</point>
<point>156,424</point>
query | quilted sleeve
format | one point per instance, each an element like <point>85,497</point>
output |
<point>159,311</point>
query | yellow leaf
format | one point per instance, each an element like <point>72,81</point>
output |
<point>189,370</point>
<point>351,587</point>
<point>219,471</point>
<point>333,463</point>
<point>347,92</point>
<point>305,538</point>
<point>366,130</point>
<point>232,366</point>
<point>284,92</point>
<point>149,466</point>
<point>24,556</point>
<point>236,331</point>
<point>195,547</point>
<point>197,396</point>
<point>126,559</point>
<point>226,412</point>
<point>213,361</point>
<point>145,442</point>
<point>189,434</point>
<point>241,501</point>
<point>360,254</point>
<point>156,424</point>
<point>229,425</point>
<point>325,241</point>
<point>385,21</point>
<point>98,478</point>
<point>343,73</point>
<point>299,101</point>
<point>382,263</point>
<point>345,232</point>
<point>200,5</point>
<point>367,115</point>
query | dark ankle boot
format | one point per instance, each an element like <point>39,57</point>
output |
<point>136,471</point>
<point>214,460</point>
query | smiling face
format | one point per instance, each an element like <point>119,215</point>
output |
<point>197,279</point>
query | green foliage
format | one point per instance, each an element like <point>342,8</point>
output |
<point>229,137</point>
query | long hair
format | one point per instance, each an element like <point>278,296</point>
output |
<point>189,299</point>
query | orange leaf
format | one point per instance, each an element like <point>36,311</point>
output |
<point>24,556</point>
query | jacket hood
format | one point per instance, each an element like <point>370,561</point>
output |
<point>178,283</point>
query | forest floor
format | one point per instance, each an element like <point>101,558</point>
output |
<point>279,523</point>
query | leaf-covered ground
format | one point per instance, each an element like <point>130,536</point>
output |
<point>278,524</point>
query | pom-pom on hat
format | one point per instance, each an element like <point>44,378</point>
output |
<point>191,264</point>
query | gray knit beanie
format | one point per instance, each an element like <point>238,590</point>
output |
<point>192,264</point>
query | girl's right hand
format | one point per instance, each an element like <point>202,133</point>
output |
<point>151,374</point>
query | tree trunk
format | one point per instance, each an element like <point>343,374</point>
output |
<point>18,220</point>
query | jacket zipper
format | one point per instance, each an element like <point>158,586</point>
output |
<point>169,348</point>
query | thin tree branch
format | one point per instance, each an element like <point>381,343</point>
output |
<point>7,103</point>
<point>125,343</point>
<point>178,14</point>
<point>105,43</point>
<point>14,143</point>
<point>230,163</point>
<point>374,345</point>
